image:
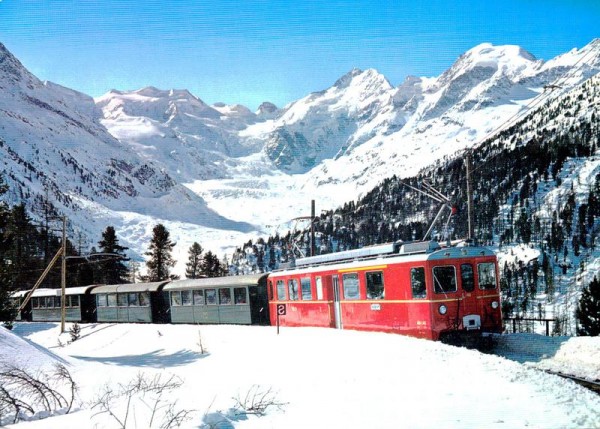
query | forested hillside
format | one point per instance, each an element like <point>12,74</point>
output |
<point>535,183</point>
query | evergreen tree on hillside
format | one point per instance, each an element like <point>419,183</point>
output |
<point>113,270</point>
<point>194,265</point>
<point>211,266</point>
<point>7,313</point>
<point>160,260</point>
<point>588,310</point>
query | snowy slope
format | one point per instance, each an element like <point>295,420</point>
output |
<point>323,378</point>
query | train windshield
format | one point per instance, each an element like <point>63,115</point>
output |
<point>487,275</point>
<point>444,279</point>
<point>467,277</point>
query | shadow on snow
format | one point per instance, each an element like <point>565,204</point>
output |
<point>152,359</point>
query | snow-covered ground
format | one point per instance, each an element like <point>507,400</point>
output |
<point>321,378</point>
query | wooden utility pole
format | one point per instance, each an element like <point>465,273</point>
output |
<point>312,228</point>
<point>63,281</point>
<point>471,233</point>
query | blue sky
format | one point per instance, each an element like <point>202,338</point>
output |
<point>265,50</point>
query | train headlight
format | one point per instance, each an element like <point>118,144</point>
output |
<point>494,304</point>
<point>443,309</point>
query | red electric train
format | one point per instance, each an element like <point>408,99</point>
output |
<point>419,289</point>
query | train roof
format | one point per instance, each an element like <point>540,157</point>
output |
<point>391,252</point>
<point>245,280</point>
<point>130,287</point>
<point>79,290</point>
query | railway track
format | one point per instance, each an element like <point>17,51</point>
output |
<point>594,386</point>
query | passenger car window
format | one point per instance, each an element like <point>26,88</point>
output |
<point>375,289</point>
<point>199,297</point>
<point>487,275</point>
<point>186,297</point>
<point>319,284</point>
<point>225,296</point>
<point>211,296</point>
<point>444,279</point>
<point>467,277</point>
<point>280,290</point>
<point>175,298</point>
<point>239,295</point>
<point>350,283</point>
<point>306,289</point>
<point>293,289</point>
<point>417,283</point>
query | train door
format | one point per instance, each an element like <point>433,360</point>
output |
<point>337,306</point>
<point>469,302</point>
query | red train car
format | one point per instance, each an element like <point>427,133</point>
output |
<point>417,289</point>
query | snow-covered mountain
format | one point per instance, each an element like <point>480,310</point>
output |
<point>55,151</point>
<point>134,158</point>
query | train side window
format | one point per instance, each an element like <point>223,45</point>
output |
<point>211,296</point>
<point>199,297</point>
<point>306,288</point>
<point>111,299</point>
<point>74,300</point>
<point>122,300</point>
<point>144,299</point>
<point>225,296</point>
<point>102,300</point>
<point>175,298</point>
<point>35,303</point>
<point>133,299</point>
<point>350,283</point>
<point>186,297</point>
<point>293,289</point>
<point>42,302</point>
<point>240,296</point>
<point>467,277</point>
<point>487,275</point>
<point>270,290</point>
<point>417,283</point>
<point>280,290</point>
<point>375,289</point>
<point>444,279</point>
<point>50,301</point>
<point>57,301</point>
<point>319,284</point>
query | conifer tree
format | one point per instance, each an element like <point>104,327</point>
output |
<point>211,266</point>
<point>7,313</point>
<point>588,310</point>
<point>160,260</point>
<point>194,264</point>
<point>113,269</point>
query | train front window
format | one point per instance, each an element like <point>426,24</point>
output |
<point>350,282</point>
<point>467,277</point>
<point>306,289</point>
<point>293,289</point>
<point>375,288</point>
<point>487,275</point>
<point>444,279</point>
<point>280,290</point>
<point>417,283</point>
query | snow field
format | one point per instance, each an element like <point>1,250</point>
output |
<point>325,378</point>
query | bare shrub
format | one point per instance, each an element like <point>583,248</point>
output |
<point>23,394</point>
<point>203,349</point>
<point>75,332</point>
<point>150,393</point>
<point>257,399</point>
